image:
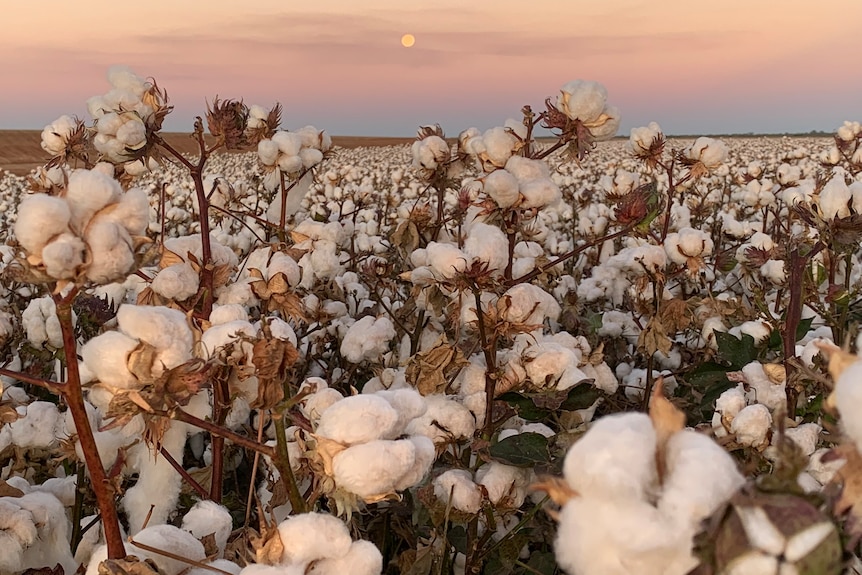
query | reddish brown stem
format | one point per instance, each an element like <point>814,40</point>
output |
<point>44,383</point>
<point>214,429</point>
<point>185,474</point>
<point>75,400</point>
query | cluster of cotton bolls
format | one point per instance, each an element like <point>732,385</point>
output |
<point>91,231</point>
<point>287,153</point>
<point>125,114</point>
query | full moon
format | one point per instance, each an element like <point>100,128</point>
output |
<point>407,40</point>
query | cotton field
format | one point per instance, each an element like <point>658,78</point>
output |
<point>484,354</point>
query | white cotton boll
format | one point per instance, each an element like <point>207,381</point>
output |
<point>805,436</point>
<point>358,419</point>
<point>363,558</point>
<point>63,256</point>
<point>40,218</point>
<point>289,143</point>
<point>774,271</point>
<point>56,135</point>
<point>487,244</point>
<point>257,116</point>
<point>759,330</point>
<point>642,138</point>
<point>310,157</point>
<point>582,100</point>
<point>848,400</point>
<point>283,263</point>
<point>316,403</point>
<point>280,329</point>
<point>701,476</point>
<point>822,471</point>
<point>445,259</point>
<point>132,211</point>
<point>539,428</point>
<point>39,320</point>
<point>539,193</point>
<point>267,152</point>
<point>505,484</point>
<point>228,312</point>
<point>529,304</point>
<point>620,537</point>
<point>457,486</point>
<point>499,145</point>
<point>546,363</point>
<point>311,536</point>
<point>444,420</point>
<point>140,167</point>
<point>607,124</point>
<point>163,328</point>
<point>88,192</point>
<point>172,540</point>
<point>835,199</point>
<point>502,187</point>
<point>375,468</point>
<point>224,335</point>
<point>156,493</point>
<point>367,339</point>
<point>206,518</point>
<point>177,282</point>
<point>36,428</point>
<point>63,488</point>
<point>615,458</point>
<point>751,425</point>
<point>762,389</point>
<point>425,454</point>
<point>106,356</point>
<point>124,78</point>
<point>603,377</point>
<point>525,169</point>
<point>37,525</point>
<point>709,151</point>
<point>110,251</point>
<point>132,134</point>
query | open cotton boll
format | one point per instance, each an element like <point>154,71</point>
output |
<point>56,135</point>
<point>207,517</point>
<point>316,403</point>
<point>106,356</point>
<point>132,211</point>
<point>701,476</point>
<point>444,420</point>
<point>487,244</point>
<point>367,339</point>
<point>583,100</point>
<point>552,365</point>
<point>603,377</point>
<point>614,459</point>
<point>374,469</point>
<point>445,259</point>
<point>111,255</point>
<point>173,540</point>
<point>363,558</point>
<point>34,533</point>
<point>805,436</point>
<point>177,282</point>
<point>312,536</point>
<point>283,263</point>
<point>499,144</point>
<point>527,169</point>
<point>63,256</point>
<point>358,419</point>
<point>751,425</point>
<point>40,218</point>
<point>762,389</point>
<point>228,312</point>
<point>37,429</point>
<point>835,198</point>
<point>409,404</point>
<point>529,304</point>
<point>163,328</point>
<point>620,537</point>
<point>424,457</point>
<point>267,152</point>
<point>39,320</point>
<point>457,486</point>
<point>502,187</point>
<point>709,151</point>
<point>88,192</point>
<point>539,193</point>
<point>505,484</point>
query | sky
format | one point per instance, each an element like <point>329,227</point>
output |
<point>693,66</point>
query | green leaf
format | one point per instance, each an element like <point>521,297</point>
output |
<point>738,352</point>
<point>522,450</point>
<point>581,396</point>
<point>524,406</point>
<point>542,562</point>
<point>706,376</point>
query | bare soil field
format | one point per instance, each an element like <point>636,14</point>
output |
<point>20,150</point>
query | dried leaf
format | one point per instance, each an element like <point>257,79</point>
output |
<point>776,373</point>
<point>130,565</point>
<point>326,451</point>
<point>56,570</point>
<point>169,258</point>
<point>654,338</point>
<point>268,547</point>
<point>666,419</point>
<point>675,315</point>
<point>839,360</point>
<point>141,360</point>
<point>7,490</point>
<point>210,546</point>
<point>406,236</point>
<point>430,372</point>
<point>271,358</point>
<point>221,275</point>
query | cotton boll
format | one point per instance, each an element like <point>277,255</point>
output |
<point>282,263</point>
<point>106,355</point>
<point>709,151</point>
<point>805,437</point>
<point>835,199</point>
<point>177,282</point>
<point>620,537</point>
<point>505,484</point>
<point>446,259</point>
<point>311,536</point>
<point>206,518</point>
<point>582,100</point>
<point>445,419</point>
<point>172,540</point>
<point>289,143</point>
<point>499,145</point>
<point>56,135</point>
<point>34,533</point>
<point>37,428</point>
<point>63,256</point>
<point>701,476</point>
<point>40,218</point>
<point>614,459</point>
<point>502,187</point>
<point>751,425</point>
<point>162,327</point>
<point>529,304</point>
<point>489,245</point>
<point>373,469</point>
<point>764,390</point>
<point>456,486</point>
<point>603,377</point>
<point>110,251</point>
<point>316,403</point>
<point>539,193</point>
<point>823,471</point>
<point>526,169</point>
<point>848,400</point>
<point>267,152</point>
<point>227,313</point>
<point>358,419</point>
<point>367,339</point>
<point>132,211</point>
<point>88,192</point>
<point>409,404</point>
<point>363,558</point>
<point>39,320</point>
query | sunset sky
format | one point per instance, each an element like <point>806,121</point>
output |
<point>694,67</point>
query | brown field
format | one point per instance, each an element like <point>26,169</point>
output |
<point>20,150</point>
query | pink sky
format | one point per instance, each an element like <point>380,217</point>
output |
<point>694,67</point>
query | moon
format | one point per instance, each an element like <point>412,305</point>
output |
<point>408,40</point>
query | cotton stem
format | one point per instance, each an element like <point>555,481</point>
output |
<point>282,463</point>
